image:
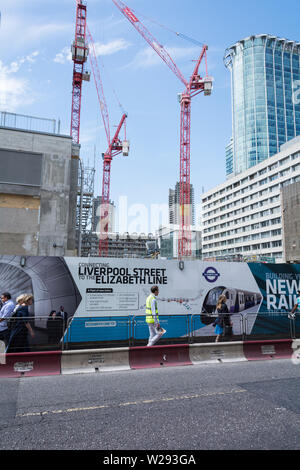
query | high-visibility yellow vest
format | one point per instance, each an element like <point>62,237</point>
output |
<point>149,316</point>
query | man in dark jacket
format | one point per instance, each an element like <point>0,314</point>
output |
<point>63,315</point>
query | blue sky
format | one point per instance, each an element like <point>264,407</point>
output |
<point>36,78</point>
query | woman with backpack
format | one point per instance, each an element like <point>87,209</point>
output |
<point>223,321</point>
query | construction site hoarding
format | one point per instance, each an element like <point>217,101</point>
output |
<point>108,288</point>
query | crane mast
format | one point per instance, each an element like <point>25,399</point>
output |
<point>115,147</point>
<point>195,85</point>
<point>79,51</point>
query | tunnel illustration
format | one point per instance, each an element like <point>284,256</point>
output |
<point>47,278</point>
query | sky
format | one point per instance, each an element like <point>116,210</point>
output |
<point>36,79</point>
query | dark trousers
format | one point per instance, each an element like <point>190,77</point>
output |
<point>18,342</point>
<point>4,336</point>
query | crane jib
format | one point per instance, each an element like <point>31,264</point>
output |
<point>197,84</point>
<point>130,15</point>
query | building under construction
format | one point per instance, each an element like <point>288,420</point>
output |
<point>38,187</point>
<point>120,245</point>
<point>85,197</point>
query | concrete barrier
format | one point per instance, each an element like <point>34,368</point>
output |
<point>268,349</point>
<point>31,364</point>
<point>142,357</point>
<point>217,352</point>
<point>296,351</point>
<point>2,352</point>
<point>94,360</point>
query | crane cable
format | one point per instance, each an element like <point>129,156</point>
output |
<point>111,83</point>
<point>112,87</point>
<point>183,36</point>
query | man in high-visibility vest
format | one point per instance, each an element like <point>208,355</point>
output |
<point>155,330</point>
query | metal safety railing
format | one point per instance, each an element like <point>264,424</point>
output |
<point>47,334</point>
<point>28,123</point>
<point>176,326</point>
<point>272,324</point>
<point>34,333</point>
<point>202,326</point>
<point>106,330</point>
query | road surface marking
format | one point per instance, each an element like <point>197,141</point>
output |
<point>132,403</point>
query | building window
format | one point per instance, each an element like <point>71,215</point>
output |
<point>284,161</point>
<point>256,246</point>
<point>276,221</point>
<point>265,245</point>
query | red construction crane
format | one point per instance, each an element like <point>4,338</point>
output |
<point>79,51</point>
<point>195,85</point>
<point>115,147</point>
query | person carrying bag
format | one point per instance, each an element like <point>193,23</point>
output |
<point>223,324</point>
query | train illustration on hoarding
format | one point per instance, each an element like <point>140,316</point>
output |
<point>237,301</point>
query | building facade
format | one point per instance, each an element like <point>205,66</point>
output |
<point>291,222</point>
<point>265,74</point>
<point>174,205</point>
<point>229,157</point>
<point>119,245</point>
<point>38,193</point>
<point>96,209</point>
<point>168,241</point>
<point>242,218</point>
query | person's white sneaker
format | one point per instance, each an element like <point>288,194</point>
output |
<point>161,331</point>
<point>291,316</point>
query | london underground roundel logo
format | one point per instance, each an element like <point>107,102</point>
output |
<point>211,274</point>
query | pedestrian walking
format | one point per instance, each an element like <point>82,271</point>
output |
<point>5,313</point>
<point>292,314</point>
<point>155,330</point>
<point>18,340</point>
<point>222,322</point>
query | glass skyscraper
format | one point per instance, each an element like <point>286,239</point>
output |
<point>265,75</point>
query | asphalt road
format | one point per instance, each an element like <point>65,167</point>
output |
<point>236,406</point>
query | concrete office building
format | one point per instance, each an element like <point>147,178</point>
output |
<point>291,222</point>
<point>243,216</point>
<point>38,192</point>
<point>265,73</point>
<point>174,205</point>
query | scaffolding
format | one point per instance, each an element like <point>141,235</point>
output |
<point>119,245</point>
<point>85,196</point>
